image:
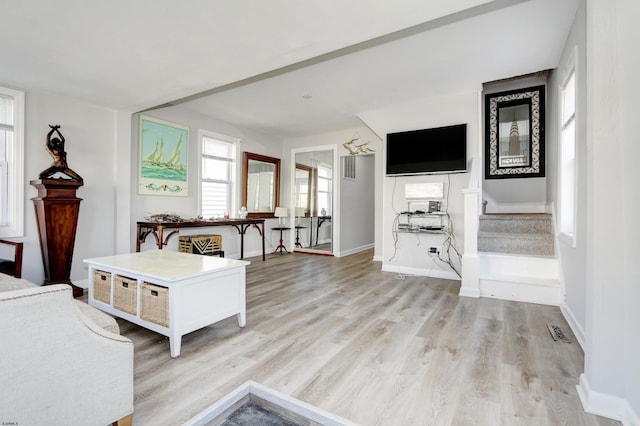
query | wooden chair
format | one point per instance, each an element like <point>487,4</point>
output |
<point>12,267</point>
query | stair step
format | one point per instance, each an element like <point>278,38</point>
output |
<point>517,233</point>
<point>520,278</point>
<point>546,292</point>
<point>517,223</point>
<point>517,243</point>
<point>514,265</point>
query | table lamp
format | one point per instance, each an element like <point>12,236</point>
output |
<point>299,213</point>
<point>281,213</point>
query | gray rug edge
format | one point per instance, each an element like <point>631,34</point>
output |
<point>298,410</point>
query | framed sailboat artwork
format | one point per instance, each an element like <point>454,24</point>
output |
<point>163,158</point>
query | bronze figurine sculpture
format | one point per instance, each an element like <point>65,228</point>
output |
<point>55,147</point>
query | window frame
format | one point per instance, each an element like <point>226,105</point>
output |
<point>567,227</point>
<point>232,192</point>
<point>329,182</point>
<point>14,226</point>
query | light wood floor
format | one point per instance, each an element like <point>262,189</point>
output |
<point>363,344</point>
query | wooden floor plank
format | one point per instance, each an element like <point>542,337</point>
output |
<point>371,346</point>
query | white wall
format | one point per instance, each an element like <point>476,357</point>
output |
<point>628,36</point>
<point>143,205</point>
<point>611,382</point>
<point>573,258</point>
<point>410,254</point>
<point>357,206</point>
<point>90,134</point>
<point>124,183</point>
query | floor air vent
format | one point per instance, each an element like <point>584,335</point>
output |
<point>557,333</point>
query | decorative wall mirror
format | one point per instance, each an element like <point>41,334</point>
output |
<point>514,133</point>
<point>260,184</point>
<point>303,189</point>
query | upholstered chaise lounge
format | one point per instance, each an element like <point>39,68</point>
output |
<point>61,360</point>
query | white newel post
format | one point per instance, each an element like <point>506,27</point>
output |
<point>470,261</point>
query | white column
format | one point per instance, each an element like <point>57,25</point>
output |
<point>470,261</point>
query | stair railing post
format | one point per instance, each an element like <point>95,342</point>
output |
<point>470,286</point>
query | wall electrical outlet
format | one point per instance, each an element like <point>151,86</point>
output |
<point>434,250</point>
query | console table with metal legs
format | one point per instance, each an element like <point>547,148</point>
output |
<point>157,230</point>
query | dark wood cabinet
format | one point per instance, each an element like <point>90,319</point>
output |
<point>57,209</point>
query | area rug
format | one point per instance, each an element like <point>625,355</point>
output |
<point>254,399</point>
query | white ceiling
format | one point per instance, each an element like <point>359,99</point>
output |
<point>249,62</point>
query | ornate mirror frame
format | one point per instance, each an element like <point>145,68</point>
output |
<point>514,133</point>
<point>274,196</point>
<point>311,188</point>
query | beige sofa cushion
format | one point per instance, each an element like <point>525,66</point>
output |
<point>60,367</point>
<point>101,319</point>
<point>98,317</point>
<point>9,283</point>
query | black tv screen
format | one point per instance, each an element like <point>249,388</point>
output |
<point>435,150</point>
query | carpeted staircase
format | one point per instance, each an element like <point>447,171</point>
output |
<point>528,234</point>
<point>517,258</point>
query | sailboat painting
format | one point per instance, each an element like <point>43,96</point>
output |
<point>163,157</point>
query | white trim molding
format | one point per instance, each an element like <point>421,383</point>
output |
<point>575,326</point>
<point>233,400</point>
<point>15,177</point>
<point>605,405</point>
<point>422,272</point>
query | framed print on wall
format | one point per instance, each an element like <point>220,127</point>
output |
<point>514,133</point>
<point>163,158</point>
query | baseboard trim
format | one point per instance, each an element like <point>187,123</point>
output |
<point>252,253</point>
<point>355,250</point>
<point>469,292</point>
<point>575,326</point>
<point>508,288</point>
<point>84,284</point>
<point>605,405</point>
<point>435,273</point>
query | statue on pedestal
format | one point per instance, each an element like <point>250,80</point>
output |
<point>57,208</point>
<point>55,147</point>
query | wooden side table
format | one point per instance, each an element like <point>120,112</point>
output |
<point>281,246</point>
<point>298,228</point>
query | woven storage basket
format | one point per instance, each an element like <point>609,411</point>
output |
<point>154,304</point>
<point>200,244</point>
<point>102,286</point>
<point>125,292</point>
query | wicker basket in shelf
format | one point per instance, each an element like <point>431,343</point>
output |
<point>125,294</point>
<point>201,244</point>
<point>154,304</point>
<point>102,286</point>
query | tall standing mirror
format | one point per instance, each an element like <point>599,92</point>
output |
<point>260,185</point>
<point>313,189</point>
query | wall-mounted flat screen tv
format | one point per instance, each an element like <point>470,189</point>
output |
<point>427,151</point>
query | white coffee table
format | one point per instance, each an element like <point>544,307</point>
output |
<point>199,290</point>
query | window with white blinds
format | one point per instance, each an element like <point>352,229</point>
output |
<point>217,176</point>
<point>11,163</point>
